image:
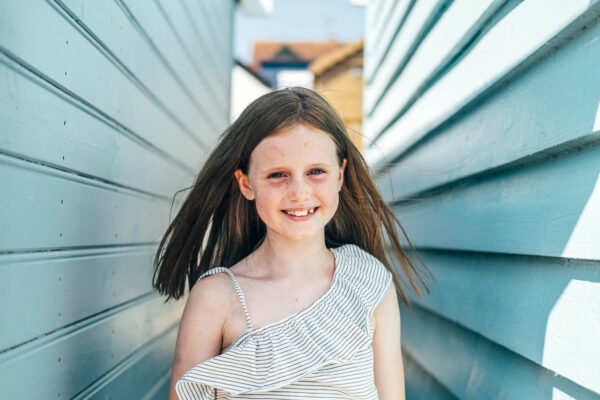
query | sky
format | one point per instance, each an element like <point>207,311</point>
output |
<point>299,20</point>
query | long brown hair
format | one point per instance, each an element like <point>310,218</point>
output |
<point>216,206</point>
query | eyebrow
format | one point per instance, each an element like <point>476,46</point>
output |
<point>310,166</point>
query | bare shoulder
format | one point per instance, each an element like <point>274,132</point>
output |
<point>211,291</point>
<point>201,326</point>
<point>207,307</point>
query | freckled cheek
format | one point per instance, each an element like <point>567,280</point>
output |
<point>334,201</point>
<point>267,201</point>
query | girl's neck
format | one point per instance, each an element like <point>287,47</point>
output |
<point>284,259</point>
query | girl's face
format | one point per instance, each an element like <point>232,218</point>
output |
<point>294,170</point>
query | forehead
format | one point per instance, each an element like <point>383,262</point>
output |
<point>301,144</point>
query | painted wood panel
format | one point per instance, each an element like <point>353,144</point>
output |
<point>384,35</point>
<point>550,208</point>
<point>144,369</point>
<point>420,16</point>
<point>126,104</point>
<point>121,33</point>
<point>484,129</point>
<point>472,367</point>
<point>42,124</point>
<point>48,207</point>
<point>457,26</point>
<point>512,44</point>
<point>370,37</point>
<point>383,31</point>
<point>72,358</point>
<point>419,384</point>
<point>67,286</point>
<point>107,110</point>
<point>533,116</point>
<point>542,306</point>
<point>161,31</point>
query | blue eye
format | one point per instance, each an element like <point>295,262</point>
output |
<point>276,175</point>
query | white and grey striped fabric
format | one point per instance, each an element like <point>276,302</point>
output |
<point>322,352</point>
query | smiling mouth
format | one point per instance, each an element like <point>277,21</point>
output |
<point>302,213</point>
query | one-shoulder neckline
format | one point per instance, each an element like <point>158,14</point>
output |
<point>334,281</point>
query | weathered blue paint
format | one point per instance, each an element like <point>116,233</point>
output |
<point>107,109</point>
<point>420,384</point>
<point>489,113</point>
<point>472,367</point>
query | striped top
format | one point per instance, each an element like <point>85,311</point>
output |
<point>323,351</point>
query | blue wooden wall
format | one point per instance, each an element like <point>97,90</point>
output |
<point>482,123</point>
<point>107,108</point>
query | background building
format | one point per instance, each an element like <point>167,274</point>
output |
<point>338,77</point>
<point>286,63</point>
<point>246,86</point>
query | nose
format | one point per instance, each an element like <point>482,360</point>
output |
<point>298,189</point>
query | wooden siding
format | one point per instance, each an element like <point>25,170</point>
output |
<point>107,109</point>
<point>482,123</point>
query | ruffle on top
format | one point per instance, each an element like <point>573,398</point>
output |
<point>331,330</point>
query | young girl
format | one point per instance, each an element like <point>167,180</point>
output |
<point>291,290</point>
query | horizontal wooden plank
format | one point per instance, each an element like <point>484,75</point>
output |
<point>117,34</point>
<point>377,16</point>
<point>71,359</point>
<point>550,208</point>
<point>370,39</point>
<point>64,287</point>
<point>536,113</point>
<point>383,35</point>
<point>215,68</point>
<point>155,24</point>
<point>472,367</point>
<point>66,58</point>
<point>44,208</point>
<point>404,44</point>
<point>205,47</point>
<point>161,390</point>
<point>208,74</point>
<point>419,384</point>
<point>371,11</point>
<point>214,24</point>
<point>544,309</point>
<point>509,47</point>
<point>44,125</point>
<point>139,374</point>
<point>457,26</point>
<point>216,32</point>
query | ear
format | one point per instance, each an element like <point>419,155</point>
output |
<point>341,177</point>
<point>244,184</point>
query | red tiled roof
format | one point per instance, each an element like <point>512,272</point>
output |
<point>334,56</point>
<point>306,51</point>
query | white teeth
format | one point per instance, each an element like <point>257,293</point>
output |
<point>301,213</point>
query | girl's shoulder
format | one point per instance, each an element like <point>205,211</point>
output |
<point>212,291</point>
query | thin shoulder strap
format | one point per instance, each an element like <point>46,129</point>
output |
<point>237,288</point>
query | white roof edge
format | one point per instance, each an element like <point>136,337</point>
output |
<point>256,8</point>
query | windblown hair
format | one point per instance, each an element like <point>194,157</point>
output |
<point>215,205</point>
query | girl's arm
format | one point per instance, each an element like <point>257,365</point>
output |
<point>389,370</point>
<point>200,329</point>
